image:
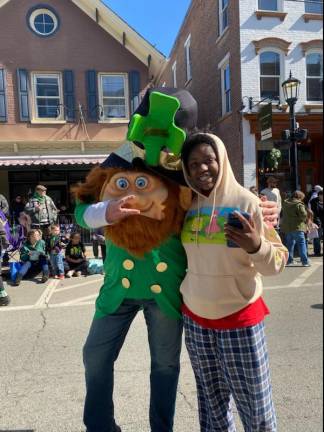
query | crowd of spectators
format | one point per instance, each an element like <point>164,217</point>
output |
<point>301,219</point>
<point>44,239</point>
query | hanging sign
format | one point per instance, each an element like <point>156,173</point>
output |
<point>265,120</point>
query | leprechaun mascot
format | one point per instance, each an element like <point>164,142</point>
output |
<point>139,196</point>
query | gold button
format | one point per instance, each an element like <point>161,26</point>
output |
<point>156,289</point>
<point>128,264</point>
<point>162,267</point>
<point>125,282</point>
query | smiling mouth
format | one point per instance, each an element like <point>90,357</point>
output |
<point>146,209</point>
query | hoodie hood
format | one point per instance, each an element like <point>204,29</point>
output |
<point>226,180</point>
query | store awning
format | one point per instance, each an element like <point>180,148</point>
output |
<point>10,161</point>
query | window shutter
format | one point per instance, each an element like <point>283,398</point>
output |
<point>134,85</point>
<point>22,78</point>
<point>69,99</point>
<point>3,103</point>
<point>91,79</point>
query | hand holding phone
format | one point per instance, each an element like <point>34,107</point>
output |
<point>241,230</point>
<point>234,222</point>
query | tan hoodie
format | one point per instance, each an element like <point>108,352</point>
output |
<point>222,280</point>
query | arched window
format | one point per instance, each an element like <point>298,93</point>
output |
<point>314,76</point>
<point>270,75</point>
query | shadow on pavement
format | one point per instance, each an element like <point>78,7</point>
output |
<point>315,306</point>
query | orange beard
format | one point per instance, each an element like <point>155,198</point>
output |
<point>140,234</point>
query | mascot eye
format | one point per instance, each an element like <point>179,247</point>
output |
<point>122,183</point>
<point>141,182</point>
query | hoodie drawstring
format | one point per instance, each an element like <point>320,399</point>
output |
<point>212,213</point>
<point>198,224</point>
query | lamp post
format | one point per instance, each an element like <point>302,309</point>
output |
<point>291,92</point>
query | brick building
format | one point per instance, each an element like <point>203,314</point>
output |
<point>71,72</point>
<point>229,51</point>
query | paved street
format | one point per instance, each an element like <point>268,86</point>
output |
<point>41,371</point>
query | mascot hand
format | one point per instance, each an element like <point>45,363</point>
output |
<point>270,211</point>
<point>120,209</point>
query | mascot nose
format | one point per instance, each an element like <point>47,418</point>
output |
<point>137,202</point>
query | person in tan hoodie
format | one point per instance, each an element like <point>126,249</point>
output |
<point>222,292</point>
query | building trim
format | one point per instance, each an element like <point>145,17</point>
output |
<point>312,17</point>
<point>270,14</point>
<point>312,44</point>
<point>270,42</point>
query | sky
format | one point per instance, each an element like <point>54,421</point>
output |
<point>158,21</point>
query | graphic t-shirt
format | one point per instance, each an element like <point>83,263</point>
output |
<point>75,251</point>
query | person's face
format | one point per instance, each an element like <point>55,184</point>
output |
<point>55,231</point>
<point>34,237</point>
<point>320,197</point>
<point>41,192</point>
<point>203,168</point>
<point>272,184</point>
<point>18,199</point>
<point>76,239</point>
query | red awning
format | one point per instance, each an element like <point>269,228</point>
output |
<point>47,160</point>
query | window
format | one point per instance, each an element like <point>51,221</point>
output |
<point>174,74</point>
<point>43,22</point>
<point>223,15</point>
<point>316,6</point>
<point>224,66</point>
<point>270,75</point>
<point>314,76</point>
<point>47,96</point>
<point>113,93</point>
<point>269,5</point>
<point>188,58</point>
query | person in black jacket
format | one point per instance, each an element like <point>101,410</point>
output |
<point>317,209</point>
<point>75,257</point>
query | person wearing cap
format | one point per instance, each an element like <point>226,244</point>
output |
<point>41,210</point>
<point>315,191</point>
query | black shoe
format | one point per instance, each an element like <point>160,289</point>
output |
<point>45,277</point>
<point>4,301</point>
<point>18,279</point>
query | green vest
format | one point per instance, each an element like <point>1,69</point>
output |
<point>158,275</point>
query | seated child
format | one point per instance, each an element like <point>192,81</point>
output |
<point>55,244</point>
<point>33,256</point>
<point>75,257</point>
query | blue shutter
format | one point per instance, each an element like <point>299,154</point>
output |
<point>3,103</point>
<point>135,87</point>
<point>22,78</point>
<point>91,79</point>
<point>69,100</point>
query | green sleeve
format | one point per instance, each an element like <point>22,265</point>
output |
<point>79,211</point>
<point>24,253</point>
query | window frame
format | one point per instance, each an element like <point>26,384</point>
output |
<point>33,95</point>
<point>187,46</point>
<point>310,12</point>
<point>102,119</point>
<point>223,65</point>
<point>37,10</point>
<point>307,53</point>
<point>281,75</point>
<point>174,74</point>
<point>220,16</point>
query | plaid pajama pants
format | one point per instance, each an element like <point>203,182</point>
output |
<point>231,364</point>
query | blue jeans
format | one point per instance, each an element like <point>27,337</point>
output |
<point>40,264</point>
<point>57,263</point>
<point>105,340</point>
<point>291,239</point>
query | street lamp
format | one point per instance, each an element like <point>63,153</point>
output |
<point>291,92</point>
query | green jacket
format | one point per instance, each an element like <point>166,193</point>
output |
<point>294,216</point>
<point>158,275</point>
<point>38,249</point>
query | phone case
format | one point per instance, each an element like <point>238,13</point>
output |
<point>234,222</point>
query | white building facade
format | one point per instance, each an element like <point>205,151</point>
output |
<point>276,37</point>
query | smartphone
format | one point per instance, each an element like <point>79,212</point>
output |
<point>233,221</point>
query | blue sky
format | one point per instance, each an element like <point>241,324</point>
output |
<point>158,21</point>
